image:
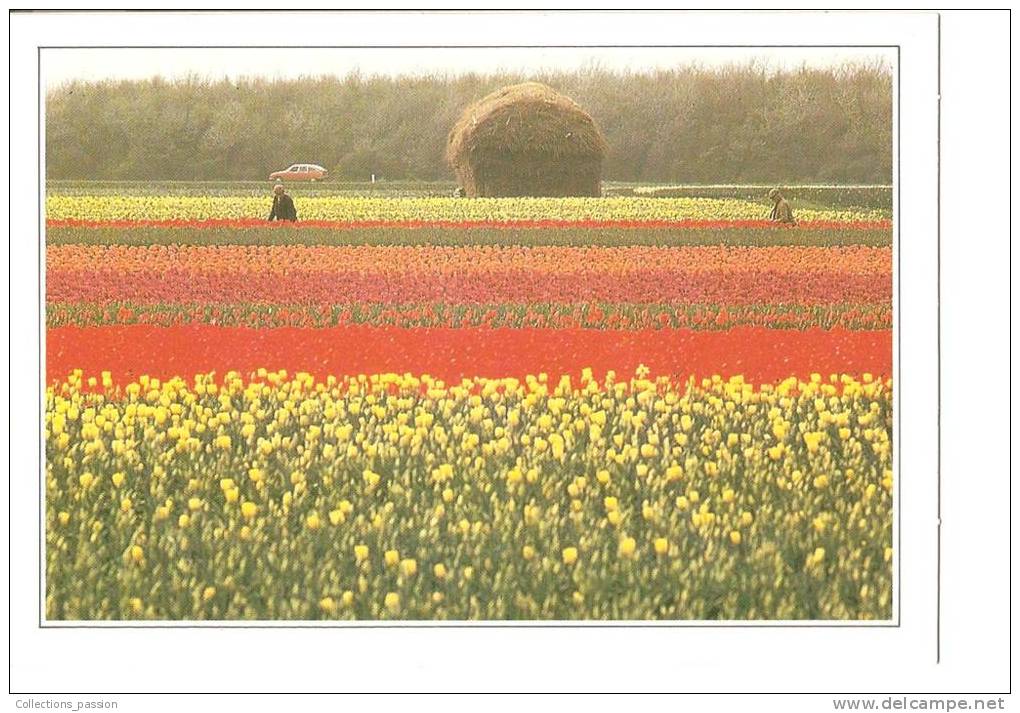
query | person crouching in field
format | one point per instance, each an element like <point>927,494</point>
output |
<point>781,211</point>
<point>283,205</point>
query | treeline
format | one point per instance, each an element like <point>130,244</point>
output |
<point>740,124</point>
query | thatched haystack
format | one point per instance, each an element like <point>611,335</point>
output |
<point>526,140</point>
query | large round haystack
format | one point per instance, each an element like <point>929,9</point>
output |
<point>526,140</point>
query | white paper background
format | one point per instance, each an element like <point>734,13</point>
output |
<point>975,557</point>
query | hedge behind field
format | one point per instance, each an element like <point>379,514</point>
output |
<point>687,125</point>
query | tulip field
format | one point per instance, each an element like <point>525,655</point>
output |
<point>424,408</point>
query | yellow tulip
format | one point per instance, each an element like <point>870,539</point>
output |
<point>493,477</point>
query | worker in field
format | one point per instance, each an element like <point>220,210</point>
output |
<point>283,205</point>
<point>781,211</point>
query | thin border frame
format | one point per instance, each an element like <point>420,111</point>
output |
<point>44,624</point>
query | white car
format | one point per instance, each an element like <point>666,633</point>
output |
<point>299,172</point>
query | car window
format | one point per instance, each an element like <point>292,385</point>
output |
<point>293,168</point>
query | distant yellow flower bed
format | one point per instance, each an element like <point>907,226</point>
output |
<point>359,209</point>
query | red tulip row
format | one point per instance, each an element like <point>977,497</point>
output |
<point>760,355</point>
<point>513,286</point>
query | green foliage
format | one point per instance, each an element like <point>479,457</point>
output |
<point>814,197</point>
<point>548,315</point>
<point>685,125</point>
<point>259,189</point>
<point>466,236</point>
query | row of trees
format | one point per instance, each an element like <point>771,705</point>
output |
<point>688,125</point>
